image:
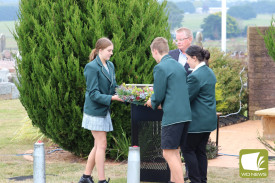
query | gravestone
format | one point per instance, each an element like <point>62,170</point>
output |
<point>7,90</point>
<point>2,42</point>
<point>199,39</point>
<point>6,55</point>
<point>4,75</point>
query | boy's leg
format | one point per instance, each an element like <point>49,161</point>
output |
<point>179,159</point>
<point>171,138</point>
<point>183,142</point>
<point>171,156</point>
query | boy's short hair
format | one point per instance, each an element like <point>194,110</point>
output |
<point>160,44</point>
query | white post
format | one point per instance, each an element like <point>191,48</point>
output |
<point>39,175</point>
<point>224,26</point>
<point>133,171</point>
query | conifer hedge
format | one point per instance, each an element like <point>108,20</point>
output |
<point>55,38</point>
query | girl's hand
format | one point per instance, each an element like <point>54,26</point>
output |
<point>115,97</point>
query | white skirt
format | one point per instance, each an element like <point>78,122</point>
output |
<point>97,123</point>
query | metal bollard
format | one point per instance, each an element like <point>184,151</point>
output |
<point>39,175</point>
<point>133,172</point>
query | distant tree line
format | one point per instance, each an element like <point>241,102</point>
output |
<point>8,13</point>
<point>241,10</point>
<point>260,7</point>
<point>244,12</point>
<point>250,10</point>
<point>175,15</point>
<point>186,6</point>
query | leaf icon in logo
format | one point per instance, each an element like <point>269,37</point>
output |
<point>249,161</point>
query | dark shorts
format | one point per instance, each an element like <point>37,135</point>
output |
<point>173,136</point>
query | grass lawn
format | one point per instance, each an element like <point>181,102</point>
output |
<point>12,116</point>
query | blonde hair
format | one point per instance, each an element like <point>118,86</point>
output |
<point>102,43</point>
<point>187,31</point>
<point>160,44</point>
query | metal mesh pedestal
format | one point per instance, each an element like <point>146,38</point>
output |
<point>146,133</point>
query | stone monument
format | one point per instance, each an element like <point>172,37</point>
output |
<point>2,42</point>
<point>8,90</point>
<point>199,39</point>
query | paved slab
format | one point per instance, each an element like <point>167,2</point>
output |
<point>236,137</point>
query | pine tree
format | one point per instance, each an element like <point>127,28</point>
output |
<point>55,38</point>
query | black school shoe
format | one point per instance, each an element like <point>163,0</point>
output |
<point>105,181</point>
<point>86,180</point>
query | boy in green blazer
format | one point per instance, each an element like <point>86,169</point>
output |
<point>171,93</point>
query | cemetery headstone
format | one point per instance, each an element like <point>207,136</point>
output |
<point>2,42</point>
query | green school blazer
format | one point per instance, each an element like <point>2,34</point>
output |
<point>170,90</point>
<point>100,86</point>
<point>201,87</point>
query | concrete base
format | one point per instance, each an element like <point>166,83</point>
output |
<point>268,123</point>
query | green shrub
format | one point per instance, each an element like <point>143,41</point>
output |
<point>121,147</point>
<point>227,71</point>
<point>55,39</point>
<point>211,149</point>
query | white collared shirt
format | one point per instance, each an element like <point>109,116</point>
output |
<point>182,58</point>
<point>198,66</point>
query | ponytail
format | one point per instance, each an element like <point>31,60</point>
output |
<point>199,52</point>
<point>93,54</point>
<point>206,56</point>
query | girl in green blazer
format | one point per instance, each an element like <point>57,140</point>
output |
<point>201,87</point>
<point>100,87</point>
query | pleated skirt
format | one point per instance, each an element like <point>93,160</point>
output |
<point>97,123</point>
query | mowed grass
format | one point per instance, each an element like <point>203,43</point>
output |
<point>12,164</point>
<point>12,115</point>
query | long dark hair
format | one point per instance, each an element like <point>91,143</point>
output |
<point>199,52</point>
<point>102,43</point>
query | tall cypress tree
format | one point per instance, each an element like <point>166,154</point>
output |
<point>269,39</point>
<point>55,38</point>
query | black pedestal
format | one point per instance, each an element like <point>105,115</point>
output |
<point>146,133</point>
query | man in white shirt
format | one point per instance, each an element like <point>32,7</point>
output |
<point>183,40</point>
